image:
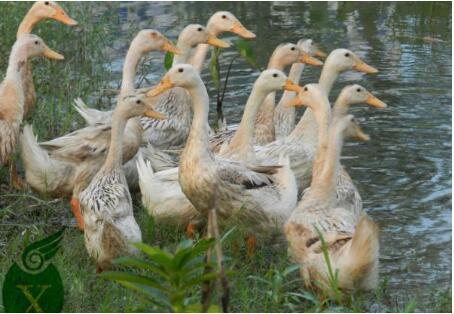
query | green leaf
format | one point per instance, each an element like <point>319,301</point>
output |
<point>140,264</point>
<point>132,278</point>
<point>244,49</point>
<point>410,306</point>
<point>290,269</point>
<point>168,60</point>
<point>213,67</point>
<point>156,255</point>
<point>153,294</point>
<point>198,280</point>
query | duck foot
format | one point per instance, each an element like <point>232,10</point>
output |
<point>190,230</point>
<point>251,242</point>
<point>75,209</point>
<point>16,181</point>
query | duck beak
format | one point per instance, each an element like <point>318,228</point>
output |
<point>307,59</point>
<point>241,31</point>
<point>168,46</point>
<point>361,136</point>
<point>361,66</point>
<point>154,115</point>
<point>295,102</point>
<point>50,54</point>
<point>375,102</point>
<point>216,42</point>
<point>290,86</point>
<point>320,54</point>
<point>61,16</point>
<point>163,85</point>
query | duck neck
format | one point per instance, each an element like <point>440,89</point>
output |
<point>198,138</point>
<point>307,126</point>
<point>201,51</point>
<point>27,24</point>
<point>243,140</point>
<point>324,180</point>
<point>341,106</point>
<point>184,55</point>
<point>129,68</point>
<point>114,159</point>
<point>17,60</point>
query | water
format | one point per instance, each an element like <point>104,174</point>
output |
<point>404,172</point>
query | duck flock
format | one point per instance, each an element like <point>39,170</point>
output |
<point>280,179</point>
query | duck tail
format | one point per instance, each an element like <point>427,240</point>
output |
<point>37,163</point>
<point>360,263</point>
<point>90,115</point>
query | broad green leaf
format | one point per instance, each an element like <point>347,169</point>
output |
<point>214,68</point>
<point>244,49</point>
<point>157,255</point>
<point>132,278</point>
<point>153,294</point>
<point>168,61</point>
<point>290,269</point>
<point>140,264</point>
<point>198,280</point>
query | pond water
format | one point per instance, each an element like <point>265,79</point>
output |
<point>404,172</point>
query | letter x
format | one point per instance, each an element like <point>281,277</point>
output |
<point>33,301</point>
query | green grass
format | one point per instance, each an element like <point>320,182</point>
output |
<point>259,284</point>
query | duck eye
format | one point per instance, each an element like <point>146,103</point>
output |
<point>292,49</point>
<point>275,75</point>
<point>36,42</point>
<point>46,3</point>
<point>181,70</point>
<point>199,29</point>
<point>347,55</point>
<point>138,102</point>
<point>358,90</point>
<point>224,16</point>
<point>305,89</point>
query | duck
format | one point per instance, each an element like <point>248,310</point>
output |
<point>220,22</point>
<point>40,10</point>
<point>284,55</point>
<point>246,190</point>
<point>62,166</point>
<point>12,97</point>
<point>110,229</point>
<point>301,143</point>
<point>351,239</point>
<point>284,115</point>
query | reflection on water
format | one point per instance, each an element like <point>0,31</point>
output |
<point>404,172</point>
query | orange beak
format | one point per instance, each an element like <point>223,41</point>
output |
<point>375,102</point>
<point>50,54</point>
<point>164,84</point>
<point>361,66</point>
<point>320,54</point>
<point>360,135</point>
<point>241,31</point>
<point>154,115</point>
<point>307,59</point>
<point>61,16</point>
<point>290,86</point>
<point>168,46</point>
<point>216,42</point>
<point>295,102</point>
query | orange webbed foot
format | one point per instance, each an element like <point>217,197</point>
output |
<point>75,209</point>
<point>190,230</point>
<point>250,245</point>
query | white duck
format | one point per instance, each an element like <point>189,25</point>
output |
<point>244,192</point>
<point>106,205</point>
<point>13,97</point>
<point>40,10</point>
<point>283,56</point>
<point>62,166</point>
<point>284,115</point>
<point>301,144</point>
<point>351,238</point>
